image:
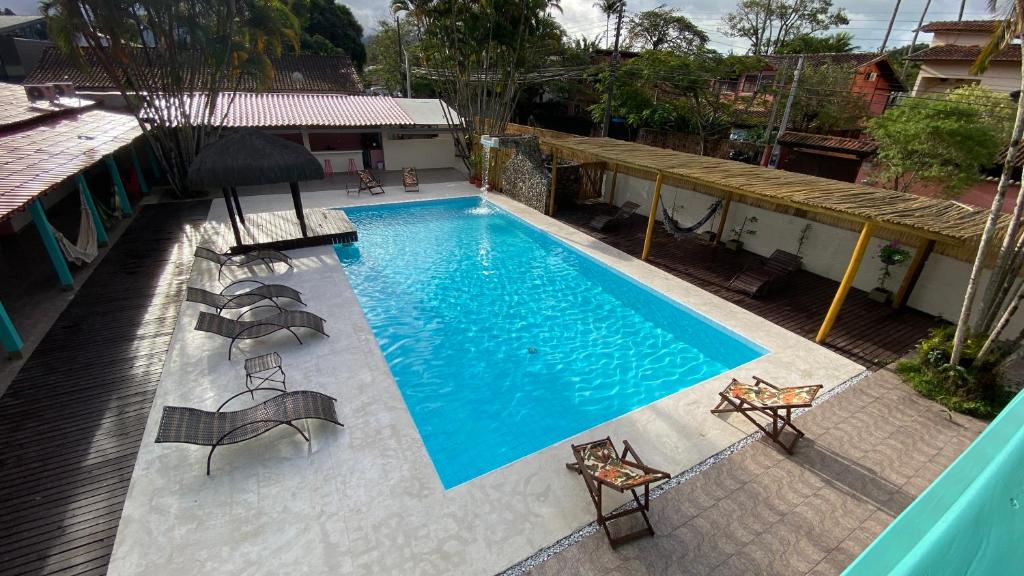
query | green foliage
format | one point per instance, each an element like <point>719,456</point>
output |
<point>317,44</point>
<point>769,24</point>
<point>943,140</point>
<point>664,29</point>
<point>336,24</point>
<point>811,44</point>
<point>972,390</point>
<point>908,69</point>
<point>383,65</point>
<point>824,102</point>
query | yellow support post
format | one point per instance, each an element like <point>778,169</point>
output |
<point>651,218</point>
<point>554,181</point>
<point>844,286</point>
<point>724,217</point>
<point>615,180</point>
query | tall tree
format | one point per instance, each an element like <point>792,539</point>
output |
<point>172,60</point>
<point>610,9</point>
<point>334,23</point>
<point>811,44</point>
<point>768,24</point>
<point>383,66</point>
<point>1011,252</point>
<point>824,102</point>
<point>664,29</point>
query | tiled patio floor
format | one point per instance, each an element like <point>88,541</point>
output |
<point>868,452</point>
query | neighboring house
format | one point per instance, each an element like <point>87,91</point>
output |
<point>871,75</point>
<point>946,63</point>
<point>825,156</point>
<point>305,73</point>
<point>22,40</point>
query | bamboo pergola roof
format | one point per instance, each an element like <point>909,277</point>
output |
<point>936,219</point>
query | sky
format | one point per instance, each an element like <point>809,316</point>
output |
<point>868,18</point>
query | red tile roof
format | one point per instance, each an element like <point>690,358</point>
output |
<point>39,156</point>
<point>15,108</point>
<point>956,52</point>
<point>855,146</point>
<point>262,110</point>
<point>980,26</point>
<point>292,73</point>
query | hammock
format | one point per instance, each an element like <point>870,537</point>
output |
<point>86,249</point>
<point>675,229</point>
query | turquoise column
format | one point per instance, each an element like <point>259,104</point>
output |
<point>138,172</point>
<point>101,232</point>
<point>126,206</point>
<point>154,162</point>
<point>9,338</point>
<point>43,225</point>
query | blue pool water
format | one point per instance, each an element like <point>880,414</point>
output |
<point>504,340</point>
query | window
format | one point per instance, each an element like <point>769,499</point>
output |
<point>414,136</point>
<point>870,76</point>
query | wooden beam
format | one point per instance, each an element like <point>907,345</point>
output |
<point>652,217</point>
<point>60,265</point>
<point>725,216</point>
<point>615,180</point>
<point>847,282</point>
<point>143,186</point>
<point>554,181</point>
<point>101,231</point>
<point>122,194</point>
<point>924,250</point>
<point>10,341</point>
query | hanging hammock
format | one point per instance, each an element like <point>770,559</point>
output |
<point>87,247</point>
<point>675,229</point>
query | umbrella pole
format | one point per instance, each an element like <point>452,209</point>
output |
<point>297,200</point>
<point>231,216</point>
<point>238,205</point>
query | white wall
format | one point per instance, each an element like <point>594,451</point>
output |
<point>422,153</point>
<point>939,291</point>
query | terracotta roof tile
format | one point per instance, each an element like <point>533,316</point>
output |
<point>15,109</point>
<point>292,73</point>
<point>956,52</point>
<point>832,143</point>
<point>982,26</point>
<point>38,156</point>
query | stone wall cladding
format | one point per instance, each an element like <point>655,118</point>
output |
<point>525,178</point>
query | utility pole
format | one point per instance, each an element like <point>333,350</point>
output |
<point>961,16</point>
<point>611,74</point>
<point>773,162</point>
<point>408,75</point>
<point>888,30</point>
<point>917,30</point>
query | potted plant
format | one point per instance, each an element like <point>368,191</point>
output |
<point>891,254</point>
<point>736,242</point>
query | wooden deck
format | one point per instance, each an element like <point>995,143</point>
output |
<point>281,231</point>
<point>866,332</point>
<point>72,420</point>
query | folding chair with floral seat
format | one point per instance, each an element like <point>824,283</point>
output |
<point>601,465</point>
<point>770,400</point>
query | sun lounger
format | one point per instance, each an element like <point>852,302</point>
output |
<point>238,329</point>
<point>755,280</point>
<point>369,183</point>
<point>267,257</point>
<point>224,301</point>
<point>410,180</point>
<point>607,222</point>
<point>213,429</point>
<point>601,465</point>
<point>771,401</point>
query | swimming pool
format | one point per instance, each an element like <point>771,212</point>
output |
<point>504,340</point>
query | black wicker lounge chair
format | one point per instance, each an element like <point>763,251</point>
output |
<point>238,329</point>
<point>369,183</point>
<point>266,257</point>
<point>756,280</point>
<point>203,428</point>
<point>224,301</point>
<point>607,222</point>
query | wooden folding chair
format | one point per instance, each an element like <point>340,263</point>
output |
<point>601,465</point>
<point>772,401</point>
<point>369,183</point>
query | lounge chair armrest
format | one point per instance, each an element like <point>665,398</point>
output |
<point>247,392</point>
<point>758,381</point>
<point>628,449</point>
<point>228,287</point>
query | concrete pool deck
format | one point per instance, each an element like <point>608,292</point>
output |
<point>365,499</point>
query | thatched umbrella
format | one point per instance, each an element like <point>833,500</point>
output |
<point>250,157</point>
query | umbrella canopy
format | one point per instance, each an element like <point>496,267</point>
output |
<point>250,157</point>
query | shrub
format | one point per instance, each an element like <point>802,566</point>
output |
<point>966,388</point>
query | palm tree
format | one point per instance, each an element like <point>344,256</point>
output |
<point>609,8</point>
<point>1009,28</point>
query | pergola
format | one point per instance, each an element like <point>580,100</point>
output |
<point>929,220</point>
<point>250,157</point>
